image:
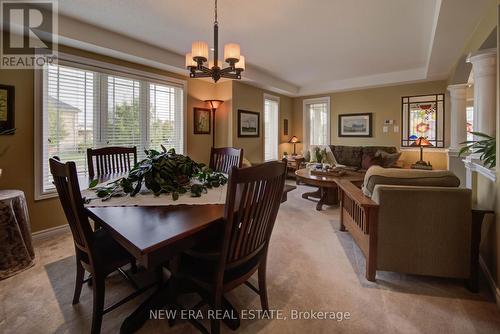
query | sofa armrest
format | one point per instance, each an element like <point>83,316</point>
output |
<point>356,194</point>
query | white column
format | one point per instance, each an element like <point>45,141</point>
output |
<point>484,75</point>
<point>458,130</point>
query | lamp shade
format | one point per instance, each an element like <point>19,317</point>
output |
<point>231,52</point>
<point>214,104</point>
<point>199,49</point>
<point>422,142</point>
<point>189,60</point>
<point>240,65</point>
<point>294,140</point>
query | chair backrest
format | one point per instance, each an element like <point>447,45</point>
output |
<point>252,203</point>
<point>66,182</point>
<point>222,159</point>
<point>109,160</point>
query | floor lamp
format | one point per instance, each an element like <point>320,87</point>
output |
<point>214,104</point>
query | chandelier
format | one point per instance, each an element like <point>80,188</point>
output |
<point>196,61</point>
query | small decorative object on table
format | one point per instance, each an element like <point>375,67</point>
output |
<point>329,171</point>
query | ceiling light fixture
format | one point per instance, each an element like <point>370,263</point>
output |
<point>198,58</point>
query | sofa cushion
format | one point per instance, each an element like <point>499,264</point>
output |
<point>348,155</point>
<point>407,177</point>
<point>369,160</point>
<point>374,149</point>
<point>388,159</point>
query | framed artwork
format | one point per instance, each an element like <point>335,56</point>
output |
<point>202,121</point>
<point>285,127</point>
<point>248,123</point>
<point>423,116</point>
<point>7,96</point>
<point>355,125</point>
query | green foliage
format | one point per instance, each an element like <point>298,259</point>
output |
<point>163,172</point>
<point>320,154</point>
<point>487,147</point>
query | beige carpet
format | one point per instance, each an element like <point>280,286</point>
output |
<point>312,266</point>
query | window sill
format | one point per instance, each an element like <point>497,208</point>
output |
<point>477,166</point>
<point>426,149</point>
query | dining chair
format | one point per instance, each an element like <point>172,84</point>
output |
<point>109,160</point>
<point>252,204</point>
<point>96,251</point>
<point>222,159</point>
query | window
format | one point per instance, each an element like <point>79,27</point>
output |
<point>86,106</point>
<point>316,121</point>
<point>470,122</point>
<point>271,127</point>
<point>423,116</point>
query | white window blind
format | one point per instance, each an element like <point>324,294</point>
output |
<point>69,108</point>
<point>85,106</point>
<point>271,127</point>
<point>317,121</point>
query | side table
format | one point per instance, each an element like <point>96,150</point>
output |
<point>16,247</point>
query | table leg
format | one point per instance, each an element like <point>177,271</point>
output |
<point>329,196</point>
<point>313,194</point>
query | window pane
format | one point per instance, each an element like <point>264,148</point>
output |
<point>423,116</point>
<point>271,116</point>
<point>318,123</point>
<point>69,106</point>
<point>123,121</point>
<point>166,117</point>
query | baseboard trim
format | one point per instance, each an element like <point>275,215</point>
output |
<point>494,288</point>
<point>48,232</point>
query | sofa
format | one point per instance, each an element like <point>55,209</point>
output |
<point>414,222</point>
<point>352,156</point>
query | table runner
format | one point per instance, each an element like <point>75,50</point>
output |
<point>146,198</point>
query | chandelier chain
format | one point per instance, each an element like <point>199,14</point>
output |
<point>216,11</point>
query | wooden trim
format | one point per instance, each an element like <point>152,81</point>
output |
<point>49,232</point>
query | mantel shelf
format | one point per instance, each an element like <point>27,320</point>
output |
<point>477,166</point>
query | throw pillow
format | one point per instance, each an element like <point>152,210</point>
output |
<point>387,159</point>
<point>369,160</point>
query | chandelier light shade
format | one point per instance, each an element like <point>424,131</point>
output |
<point>232,52</point>
<point>198,60</point>
<point>199,51</point>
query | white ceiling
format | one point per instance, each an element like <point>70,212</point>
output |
<point>310,46</point>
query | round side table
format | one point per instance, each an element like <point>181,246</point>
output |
<point>16,247</point>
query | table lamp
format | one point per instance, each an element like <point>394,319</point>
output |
<point>422,142</point>
<point>294,140</point>
<point>214,104</point>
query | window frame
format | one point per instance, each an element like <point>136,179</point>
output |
<point>104,68</point>
<point>275,99</point>
<point>305,119</point>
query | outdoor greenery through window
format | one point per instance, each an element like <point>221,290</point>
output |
<point>84,108</point>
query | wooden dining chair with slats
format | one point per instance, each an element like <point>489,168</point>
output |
<point>96,251</point>
<point>222,159</point>
<point>110,160</point>
<point>252,204</point>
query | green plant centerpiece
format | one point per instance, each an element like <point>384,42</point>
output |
<point>163,173</point>
<point>486,147</point>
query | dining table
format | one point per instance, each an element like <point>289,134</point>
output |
<point>154,235</point>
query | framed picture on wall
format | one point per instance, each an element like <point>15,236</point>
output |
<point>248,123</point>
<point>202,121</point>
<point>7,96</point>
<point>355,125</point>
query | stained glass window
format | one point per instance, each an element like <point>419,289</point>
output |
<point>423,116</point>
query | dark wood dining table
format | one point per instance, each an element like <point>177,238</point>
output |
<point>154,234</point>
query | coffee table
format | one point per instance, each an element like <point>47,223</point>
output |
<point>327,192</point>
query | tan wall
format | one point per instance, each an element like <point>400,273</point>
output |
<point>384,103</point>
<point>18,161</point>
<point>251,98</point>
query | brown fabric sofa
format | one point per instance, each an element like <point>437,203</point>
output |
<point>421,225</point>
<point>352,156</point>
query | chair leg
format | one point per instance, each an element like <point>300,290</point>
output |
<point>214,322</point>
<point>263,286</point>
<point>80,272</point>
<point>133,266</point>
<point>98,289</point>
